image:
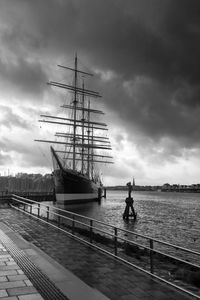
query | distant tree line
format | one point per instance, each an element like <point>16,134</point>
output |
<point>23,182</point>
<point>192,188</point>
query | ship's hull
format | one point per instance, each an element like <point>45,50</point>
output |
<point>72,187</point>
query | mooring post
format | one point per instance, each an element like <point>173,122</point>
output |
<point>129,204</point>
<point>104,195</point>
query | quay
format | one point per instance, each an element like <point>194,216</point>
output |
<point>36,196</point>
<point>39,261</point>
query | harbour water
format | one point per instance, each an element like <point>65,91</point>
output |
<point>171,217</point>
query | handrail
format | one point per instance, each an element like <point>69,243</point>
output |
<point>112,226</point>
<point>121,238</point>
<point>65,217</point>
<point>115,236</point>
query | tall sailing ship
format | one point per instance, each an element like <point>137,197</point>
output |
<point>82,138</point>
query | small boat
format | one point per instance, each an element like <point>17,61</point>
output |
<point>79,142</point>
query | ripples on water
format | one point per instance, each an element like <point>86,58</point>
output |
<point>172,217</point>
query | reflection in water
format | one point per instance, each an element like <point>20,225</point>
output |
<point>173,217</point>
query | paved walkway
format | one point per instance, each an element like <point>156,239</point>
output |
<point>111,277</point>
<point>14,284</point>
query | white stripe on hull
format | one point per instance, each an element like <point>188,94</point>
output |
<point>75,197</point>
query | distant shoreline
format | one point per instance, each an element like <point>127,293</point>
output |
<point>173,188</point>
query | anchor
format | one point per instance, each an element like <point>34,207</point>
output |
<point>129,204</point>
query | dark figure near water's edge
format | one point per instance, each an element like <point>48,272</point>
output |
<point>129,204</point>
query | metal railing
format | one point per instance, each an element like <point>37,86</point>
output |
<point>130,247</point>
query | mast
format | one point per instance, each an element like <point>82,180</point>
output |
<point>82,142</point>
<point>88,132</point>
<point>92,153</point>
<point>75,104</point>
<point>83,120</point>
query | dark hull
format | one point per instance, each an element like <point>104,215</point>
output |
<point>73,187</point>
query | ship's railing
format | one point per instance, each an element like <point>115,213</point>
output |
<point>150,255</point>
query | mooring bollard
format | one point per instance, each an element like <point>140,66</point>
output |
<point>129,204</point>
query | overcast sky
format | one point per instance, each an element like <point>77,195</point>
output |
<point>146,56</point>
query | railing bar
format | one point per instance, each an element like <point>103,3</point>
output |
<point>112,226</point>
<point>73,224</point>
<point>81,223</point>
<point>116,257</point>
<point>91,231</point>
<point>24,199</point>
<point>124,230</point>
<point>159,278</point>
<point>177,259</point>
<point>43,209</point>
<point>66,211</point>
<point>59,215</point>
<point>137,244</point>
<point>162,253</point>
<point>76,221</point>
<point>115,241</point>
<point>101,230</point>
<point>132,242</point>
<point>161,242</point>
<point>151,257</point>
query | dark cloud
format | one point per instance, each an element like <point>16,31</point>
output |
<point>23,77</point>
<point>158,111</point>
<point>151,49</point>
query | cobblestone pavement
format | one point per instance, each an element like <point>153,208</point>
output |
<point>113,278</point>
<point>14,284</point>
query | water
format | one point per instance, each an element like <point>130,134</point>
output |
<point>171,217</point>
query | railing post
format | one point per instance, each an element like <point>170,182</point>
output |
<point>151,256</point>
<point>91,230</point>
<point>59,221</point>
<point>31,209</point>
<point>115,240</point>
<point>73,224</point>
<point>38,210</point>
<point>47,213</point>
